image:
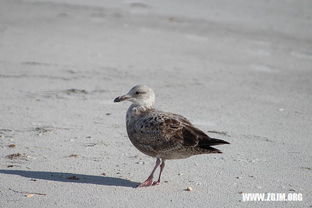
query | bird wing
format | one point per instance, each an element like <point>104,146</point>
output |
<point>164,131</point>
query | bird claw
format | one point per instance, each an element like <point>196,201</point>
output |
<point>155,183</point>
<point>146,183</point>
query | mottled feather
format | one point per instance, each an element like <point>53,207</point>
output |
<point>160,134</point>
<point>167,135</point>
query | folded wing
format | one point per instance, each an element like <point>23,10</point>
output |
<point>172,131</point>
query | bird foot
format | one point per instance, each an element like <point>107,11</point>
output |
<point>146,183</point>
<point>155,183</point>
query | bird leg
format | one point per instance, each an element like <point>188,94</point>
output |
<point>162,165</point>
<point>149,180</point>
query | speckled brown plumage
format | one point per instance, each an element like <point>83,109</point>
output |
<point>166,135</point>
<point>160,134</point>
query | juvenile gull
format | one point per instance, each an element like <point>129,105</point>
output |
<point>160,134</point>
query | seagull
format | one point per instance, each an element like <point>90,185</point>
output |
<point>162,135</point>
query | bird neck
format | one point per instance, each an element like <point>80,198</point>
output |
<point>145,103</point>
<point>135,111</point>
<point>138,109</point>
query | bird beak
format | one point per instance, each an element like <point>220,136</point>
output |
<point>121,98</point>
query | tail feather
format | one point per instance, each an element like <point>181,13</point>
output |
<point>214,141</point>
<point>195,137</point>
<point>212,150</point>
<point>208,149</point>
<point>207,142</point>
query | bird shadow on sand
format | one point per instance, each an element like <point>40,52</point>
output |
<point>72,178</point>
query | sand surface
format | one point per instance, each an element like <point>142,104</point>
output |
<point>241,72</point>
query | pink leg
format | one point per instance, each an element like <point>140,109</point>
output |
<point>162,165</point>
<point>149,180</point>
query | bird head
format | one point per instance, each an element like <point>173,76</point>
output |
<point>140,95</point>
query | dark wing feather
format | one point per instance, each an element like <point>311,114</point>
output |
<point>200,138</point>
<point>168,132</point>
<point>181,130</point>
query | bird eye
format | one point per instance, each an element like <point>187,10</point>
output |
<point>139,92</point>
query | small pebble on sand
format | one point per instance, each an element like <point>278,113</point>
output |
<point>189,189</point>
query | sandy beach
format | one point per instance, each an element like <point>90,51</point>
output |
<point>240,72</point>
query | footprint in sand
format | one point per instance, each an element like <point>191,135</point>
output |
<point>264,68</point>
<point>302,54</point>
<point>259,51</point>
<point>138,8</point>
<point>259,48</point>
<point>195,37</point>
